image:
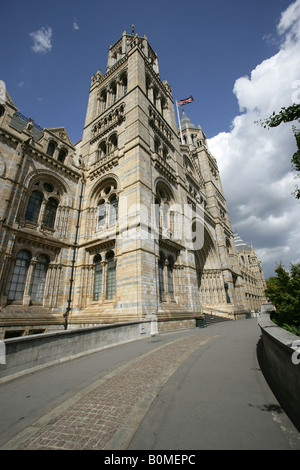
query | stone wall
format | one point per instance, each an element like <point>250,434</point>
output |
<point>282,366</point>
<point>30,353</point>
<point>172,325</point>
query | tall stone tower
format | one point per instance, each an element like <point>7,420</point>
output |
<point>147,197</point>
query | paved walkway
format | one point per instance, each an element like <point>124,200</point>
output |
<point>196,389</point>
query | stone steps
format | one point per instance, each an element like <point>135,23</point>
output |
<point>212,319</point>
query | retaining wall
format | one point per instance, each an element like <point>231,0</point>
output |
<point>281,362</point>
<point>27,354</point>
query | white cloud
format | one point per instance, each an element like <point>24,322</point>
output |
<point>42,40</point>
<point>289,23</point>
<point>75,24</point>
<point>261,206</point>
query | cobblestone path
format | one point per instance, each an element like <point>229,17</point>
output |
<point>107,414</point>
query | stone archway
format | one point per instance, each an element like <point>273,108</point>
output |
<point>209,274</point>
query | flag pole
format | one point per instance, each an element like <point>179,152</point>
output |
<point>179,122</point>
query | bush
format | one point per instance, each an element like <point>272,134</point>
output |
<point>283,291</point>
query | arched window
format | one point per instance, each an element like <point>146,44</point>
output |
<point>98,277</point>
<point>62,155</point>
<point>113,91</point>
<point>111,275</point>
<point>165,153</point>
<point>18,279</point>
<point>107,208</point>
<point>113,210</point>
<point>102,214</point>
<point>165,200</point>
<point>103,100</point>
<point>102,149</point>
<point>50,212</point>
<point>39,279</point>
<point>51,148</point>
<point>124,83</point>
<point>113,143</point>
<point>34,206</point>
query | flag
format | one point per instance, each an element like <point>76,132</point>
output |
<point>185,101</point>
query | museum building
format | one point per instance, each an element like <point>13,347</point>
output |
<point>129,222</point>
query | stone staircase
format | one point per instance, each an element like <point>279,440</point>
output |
<point>211,316</point>
<point>210,319</point>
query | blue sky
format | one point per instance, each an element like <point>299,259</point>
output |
<point>203,47</point>
<point>238,58</point>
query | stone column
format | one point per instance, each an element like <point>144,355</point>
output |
<point>102,297</point>
<point>41,214</point>
<point>28,282</point>
<point>6,274</point>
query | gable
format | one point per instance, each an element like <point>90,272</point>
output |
<point>61,134</point>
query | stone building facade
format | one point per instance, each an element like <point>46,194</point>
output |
<point>129,222</point>
<point>252,274</point>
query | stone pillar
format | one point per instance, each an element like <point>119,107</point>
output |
<point>28,282</point>
<point>41,214</point>
<point>6,274</point>
<point>102,297</point>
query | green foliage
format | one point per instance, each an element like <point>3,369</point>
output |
<point>283,291</point>
<point>296,158</point>
<point>290,114</point>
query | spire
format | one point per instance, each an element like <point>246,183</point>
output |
<point>186,123</point>
<point>239,242</point>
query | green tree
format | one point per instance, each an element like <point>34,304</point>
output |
<point>289,114</point>
<point>283,291</point>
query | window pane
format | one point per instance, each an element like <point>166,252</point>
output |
<point>111,279</point>
<point>113,214</point>
<point>39,279</point>
<point>51,149</point>
<point>33,207</point>
<point>160,279</point>
<point>62,155</point>
<point>170,280</point>
<point>101,214</point>
<point>50,213</point>
<point>98,281</point>
<point>17,284</point>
